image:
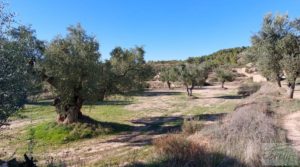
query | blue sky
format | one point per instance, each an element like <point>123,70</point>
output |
<point>168,29</point>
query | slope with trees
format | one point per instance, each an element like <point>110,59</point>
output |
<point>221,57</point>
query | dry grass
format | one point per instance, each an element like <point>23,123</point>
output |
<point>190,126</point>
<point>244,133</point>
<point>177,150</point>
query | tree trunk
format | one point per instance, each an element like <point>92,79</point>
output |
<point>222,85</point>
<point>187,90</point>
<point>169,84</point>
<point>191,89</point>
<point>68,113</point>
<point>291,89</point>
<point>102,95</point>
<point>278,81</point>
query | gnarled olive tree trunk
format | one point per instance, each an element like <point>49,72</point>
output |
<point>70,112</point>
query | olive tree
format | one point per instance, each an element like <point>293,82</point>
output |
<point>168,75</point>
<point>18,52</point>
<point>72,67</point>
<point>224,75</point>
<point>290,46</point>
<point>129,70</point>
<point>277,45</point>
<point>265,44</point>
<point>192,75</point>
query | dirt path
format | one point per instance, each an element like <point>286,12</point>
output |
<point>292,125</point>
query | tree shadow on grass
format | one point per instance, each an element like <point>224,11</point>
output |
<point>111,102</point>
<point>212,159</point>
<point>229,97</point>
<point>112,127</point>
<point>42,103</point>
<point>158,93</point>
<point>107,102</point>
<point>209,117</point>
<point>148,127</point>
<point>157,125</point>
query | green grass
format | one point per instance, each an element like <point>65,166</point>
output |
<point>224,107</point>
<point>109,113</point>
<point>53,133</point>
<point>106,120</point>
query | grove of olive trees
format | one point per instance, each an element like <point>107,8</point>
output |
<point>62,94</point>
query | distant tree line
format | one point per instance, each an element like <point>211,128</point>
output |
<point>221,57</point>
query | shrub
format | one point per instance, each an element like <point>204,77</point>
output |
<point>244,132</point>
<point>191,126</point>
<point>248,89</point>
<point>176,150</point>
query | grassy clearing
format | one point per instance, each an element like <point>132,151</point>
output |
<point>37,123</point>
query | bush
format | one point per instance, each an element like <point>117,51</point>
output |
<point>248,89</point>
<point>244,133</point>
<point>191,126</point>
<point>176,150</point>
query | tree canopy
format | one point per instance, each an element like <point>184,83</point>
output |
<point>224,74</point>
